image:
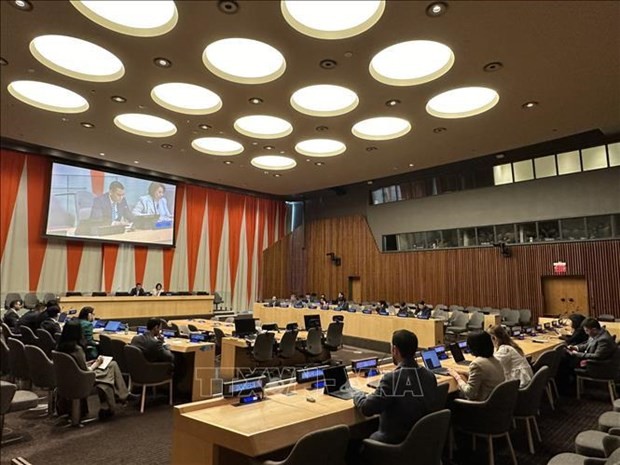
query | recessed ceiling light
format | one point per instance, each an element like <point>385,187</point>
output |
<point>145,125</point>
<point>48,96</point>
<point>531,104</point>
<point>440,129</point>
<point>493,66</point>
<point>102,154</point>
<point>204,127</point>
<point>328,63</point>
<point>3,61</point>
<point>245,61</point>
<point>77,58</point>
<point>263,126</point>
<point>162,62</point>
<point>411,63</point>
<point>324,100</point>
<point>462,102</point>
<point>320,147</point>
<point>217,146</point>
<point>255,100</point>
<point>336,19</point>
<point>23,5</point>
<point>228,162</point>
<point>166,146</point>
<point>436,9</point>
<point>87,125</point>
<point>381,128</point>
<point>369,182</point>
<point>186,98</point>
<point>136,162</point>
<point>322,128</point>
<point>64,119</point>
<point>118,99</point>
<point>141,18</point>
<point>319,163</point>
<point>499,156</point>
<point>273,162</point>
<point>228,6</point>
<point>392,103</point>
<point>277,175</point>
<point>268,147</point>
<point>411,165</point>
<point>371,148</point>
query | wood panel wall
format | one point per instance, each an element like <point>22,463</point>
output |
<point>468,276</point>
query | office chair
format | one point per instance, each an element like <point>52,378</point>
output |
<point>31,300</point>
<point>144,373</point>
<point>42,373</point>
<point>46,341</point>
<point>13,400</point>
<point>601,371</point>
<point>28,336</point>
<point>288,345</point>
<point>570,458</point>
<point>551,359</point>
<point>18,363</point>
<point>314,344</point>
<point>528,404</point>
<point>262,350</point>
<point>73,383</point>
<point>105,345</point>
<point>333,340</point>
<point>10,297</point>
<point>217,300</point>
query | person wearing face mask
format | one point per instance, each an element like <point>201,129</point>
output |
<point>154,203</point>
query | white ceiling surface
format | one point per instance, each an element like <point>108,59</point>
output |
<point>565,55</point>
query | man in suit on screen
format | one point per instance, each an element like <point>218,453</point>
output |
<point>112,206</point>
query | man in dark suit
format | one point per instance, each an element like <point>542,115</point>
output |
<point>151,343</point>
<point>138,290</point>
<point>599,346</point>
<point>112,206</point>
<point>404,395</point>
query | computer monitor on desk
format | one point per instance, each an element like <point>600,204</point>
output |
<point>245,326</point>
<point>312,321</point>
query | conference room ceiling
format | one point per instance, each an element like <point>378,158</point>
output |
<point>563,55</point>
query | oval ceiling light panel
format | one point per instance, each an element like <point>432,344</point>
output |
<point>47,96</point>
<point>324,100</point>
<point>145,125</point>
<point>217,146</point>
<point>462,102</point>
<point>411,63</point>
<point>273,162</point>
<point>142,18</point>
<point>320,147</point>
<point>77,58</point>
<point>336,19</point>
<point>381,128</point>
<point>245,61</point>
<point>186,98</point>
<point>263,126</point>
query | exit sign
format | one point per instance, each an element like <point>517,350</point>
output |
<point>559,267</point>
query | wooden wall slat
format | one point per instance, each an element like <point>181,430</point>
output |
<point>472,276</point>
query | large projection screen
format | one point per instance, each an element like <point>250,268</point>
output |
<point>90,204</point>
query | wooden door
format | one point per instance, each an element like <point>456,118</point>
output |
<point>355,289</point>
<point>565,295</point>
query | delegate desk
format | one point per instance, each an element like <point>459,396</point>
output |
<point>612,326</point>
<point>219,432</point>
<point>120,308</point>
<point>202,369</point>
<point>373,326</point>
<point>234,350</point>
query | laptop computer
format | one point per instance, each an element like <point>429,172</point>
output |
<point>457,354</point>
<point>464,347</point>
<point>337,383</point>
<point>431,361</point>
<point>441,352</point>
<point>112,326</point>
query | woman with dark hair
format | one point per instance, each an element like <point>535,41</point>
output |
<point>579,335</point>
<point>485,372</point>
<point>511,356</point>
<point>157,290</point>
<point>154,203</point>
<point>109,380</point>
<point>86,317</point>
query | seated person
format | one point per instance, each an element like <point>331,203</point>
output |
<point>158,290</point>
<point>151,343</point>
<point>32,318</point>
<point>49,322</point>
<point>511,356</point>
<point>403,396</point>
<point>86,317</point>
<point>579,335</point>
<point>599,346</point>
<point>153,203</point>
<point>112,207</point>
<point>109,381</point>
<point>138,290</point>
<point>11,317</point>
<point>485,372</point>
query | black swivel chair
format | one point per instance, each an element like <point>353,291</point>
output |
<point>105,345</point>
<point>528,404</point>
<point>333,339</point>
<point>47,343</point>
<point>144,373</point>
<point>28,336</point>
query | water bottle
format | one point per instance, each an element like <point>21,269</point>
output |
<point>126,328</point>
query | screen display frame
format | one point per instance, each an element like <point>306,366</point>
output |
<point>112,170</point>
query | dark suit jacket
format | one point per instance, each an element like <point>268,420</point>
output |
<point>153,348</point>
<point>136,291</point>
<point>403,397</point>
<point>102,209</point>
<point>601,347</point>
<point>31,319</point>
<point>11,318</point>
<point>51,326</point>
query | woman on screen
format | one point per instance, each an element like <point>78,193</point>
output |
<point>154,203</point>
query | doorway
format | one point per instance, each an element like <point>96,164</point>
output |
<point>355,289</point>
<point>564,295</point>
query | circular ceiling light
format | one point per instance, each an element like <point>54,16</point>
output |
<point>186,98</point>
<point>273,162</point>
<point>462,102</point>
<point>48,96</point>
<point>320,147</point>
<point>381,128</point>
<point>263,126</point>
<point>337,19</point>
<point>145,125</point>
<point>77,58</point>
<point>324,100</point>
<point>217,146</point>
<point>411,63</point>
<point>245,61</point>
<point>142,18</point>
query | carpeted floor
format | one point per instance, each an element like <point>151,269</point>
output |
<point>134,439</point>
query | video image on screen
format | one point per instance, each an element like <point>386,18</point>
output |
<point>91,204</point>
